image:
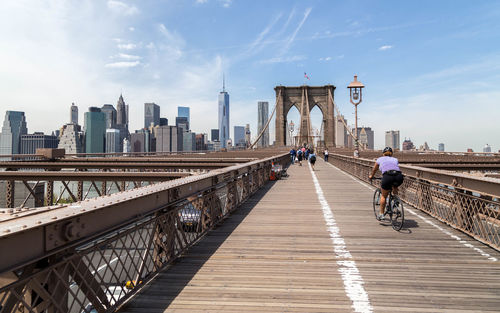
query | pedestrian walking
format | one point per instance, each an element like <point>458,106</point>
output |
<point>299,157</point>
<point>312,159</point>
<point>325,153</point>
<point>293,154</point>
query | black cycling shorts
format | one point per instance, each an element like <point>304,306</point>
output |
<point>388,181</point>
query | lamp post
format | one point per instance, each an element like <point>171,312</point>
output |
<point>291,127</point>
<point>356,96</point>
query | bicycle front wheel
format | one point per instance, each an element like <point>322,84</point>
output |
<point>376,202</point>
<point>398,213</point>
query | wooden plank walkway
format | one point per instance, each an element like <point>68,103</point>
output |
<point>277,254</point>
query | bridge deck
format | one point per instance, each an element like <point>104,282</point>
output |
<point>277,254</point>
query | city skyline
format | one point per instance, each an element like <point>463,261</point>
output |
<point>427,66</point>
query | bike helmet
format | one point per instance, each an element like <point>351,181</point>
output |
<point>387,149</point>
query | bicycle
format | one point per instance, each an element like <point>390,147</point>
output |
<point>393,207</point>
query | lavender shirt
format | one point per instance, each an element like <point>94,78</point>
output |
<point>387,163</point>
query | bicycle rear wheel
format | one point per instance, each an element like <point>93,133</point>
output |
<point>398,213</point>
<point>376,202</point>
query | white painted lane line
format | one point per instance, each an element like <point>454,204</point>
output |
<point>353,282</point>
<point>463,242</point>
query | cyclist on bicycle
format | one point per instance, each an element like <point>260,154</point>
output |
<point>392,177</point>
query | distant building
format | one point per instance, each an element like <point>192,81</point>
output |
<point>151,114</point>
<point>248,135</point>
<point>408,145</point>
<point>188,140</point>
<point>126,145</point>
<point>424,147</point>
<point>14,126</point>
<point>182,122</point>
<point>113,143</point>
<point>163,121</point>
<point>73,114</point>
<point>168,138</point>
<point>392,139</point>
<point>215,134</point>
<point>110,112</point>
<point>223,116</point>
<point>72,139</point>
<point>239,136</point>
<point>201,142</point>
<point>95,130</point>
<point>184,112</point>
<point>341,140</point>
<point>487,148</point>
<point>263,115</point>
<point>140,141</point>
<point>366,137</point>
<point>31,142</point>
<point>441,147</point>
<point>470,150</point>
<point>122,118</point>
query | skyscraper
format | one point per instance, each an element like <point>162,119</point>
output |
<point>74,114</point>
<point>113,143</point>
<point>215,134</point>
<point>151,114</point>
<point>184,112</point>
<point>341,133</point>
<point>14,126</point>
<point>110,112</point>
<point>122,118</point>
<point>31,142</point>
<point>366,137</point>
<point>392,139</point>
<point>163,121</point>
<point>182,122</point>
<point>262,117</point>
<point>441,147</point>
<point>248,138</point>
<point>487,148</point>
<point>72,139</point>
<point>168,139</point>
<point>95,130</point>
<point>239,136</point>
<point>223,116</point>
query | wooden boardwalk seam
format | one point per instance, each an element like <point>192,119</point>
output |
<point>275,254</point>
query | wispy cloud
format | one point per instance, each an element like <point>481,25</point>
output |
<point>122,8</point>
<point>325,59</point>
<point>294,58</point>
<point>124,64</point>
<point>226,3</point>
<point>128,56</point>
<point>127,46</point>
<point>201,1</point>
<point>291,39</point>
<point>385,47</point>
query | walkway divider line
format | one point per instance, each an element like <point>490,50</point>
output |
<point>353,282</point>
<point>463,242</point>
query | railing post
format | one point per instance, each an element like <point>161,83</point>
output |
<point>50,192</point>
<point>10,199</point>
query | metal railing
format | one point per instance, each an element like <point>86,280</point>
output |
<point>466,203</point>
<point>96,254</point>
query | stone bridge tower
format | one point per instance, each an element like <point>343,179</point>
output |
<point>304,98</point>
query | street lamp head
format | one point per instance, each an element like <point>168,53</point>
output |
<point>355,91</point>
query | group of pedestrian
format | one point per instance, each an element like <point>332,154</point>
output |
<point>303,153</point>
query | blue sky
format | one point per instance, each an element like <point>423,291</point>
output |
<point>431,68</point>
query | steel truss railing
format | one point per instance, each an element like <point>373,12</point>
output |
<point>100,256</point>
<point>469,204</point>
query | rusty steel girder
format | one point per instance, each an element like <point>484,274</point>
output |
<point>132,234</point>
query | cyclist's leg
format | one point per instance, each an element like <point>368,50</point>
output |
<point>383,198</point>
<point>395,190</point>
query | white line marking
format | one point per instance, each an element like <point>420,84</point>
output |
<point>353,282</point>
<point>463,242</point>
